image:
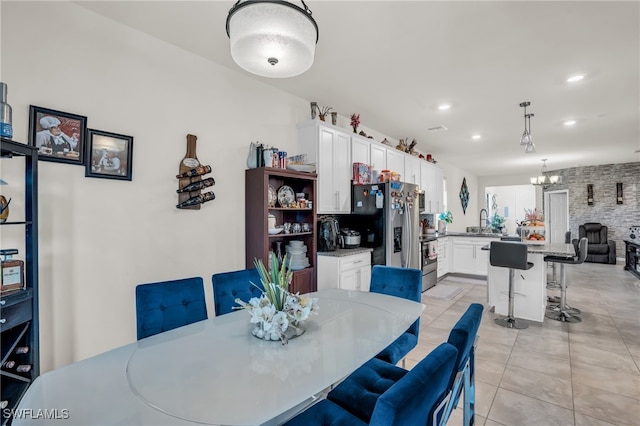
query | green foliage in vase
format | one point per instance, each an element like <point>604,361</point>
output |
<point>275,281</point>
<point>496,223</point>
<point>446,217</point>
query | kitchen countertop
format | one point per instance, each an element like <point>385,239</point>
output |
<point>469,234</point>
<point>552,249</point>
<point>345,252</point>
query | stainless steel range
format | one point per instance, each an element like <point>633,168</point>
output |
<point>429,251</point>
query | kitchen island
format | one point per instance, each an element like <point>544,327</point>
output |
<point>530,286</point>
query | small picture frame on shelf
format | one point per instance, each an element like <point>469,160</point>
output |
<point>109,155</point>
<point>59,136</point>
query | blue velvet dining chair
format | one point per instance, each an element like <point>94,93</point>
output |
<point>463,337</point>
<point>227,286</point>
<point>399,282</point>
<point>404,398</point>
<point>166,305</point>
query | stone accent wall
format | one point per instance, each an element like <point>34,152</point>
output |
<point>617,217</point>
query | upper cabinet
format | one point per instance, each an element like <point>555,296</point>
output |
<point>330,148</point>
<point>334,150</point>
<point>431,179</point>
<point>395,162</point>
<point>360,150</point>
<point>412,170</point>
<point>378,156</point>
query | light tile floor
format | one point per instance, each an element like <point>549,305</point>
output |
<point>552,373</point>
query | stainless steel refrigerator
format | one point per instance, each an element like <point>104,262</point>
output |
<point>393,207</point>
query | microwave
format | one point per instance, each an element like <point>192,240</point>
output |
<point>422,208</point>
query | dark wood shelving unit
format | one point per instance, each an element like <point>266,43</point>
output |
<point>19,308</point>
<point>258,242</point>
<point>632,257</point>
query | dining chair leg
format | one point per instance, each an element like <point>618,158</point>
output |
<point>469,398</point>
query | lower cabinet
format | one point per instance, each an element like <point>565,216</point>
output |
<point>468,256</point>
<point>444,256</point>
<point>350,272</point>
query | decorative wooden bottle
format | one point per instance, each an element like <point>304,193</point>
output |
<point>190,161</point>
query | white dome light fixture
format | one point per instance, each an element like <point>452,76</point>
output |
<point>272,38</point>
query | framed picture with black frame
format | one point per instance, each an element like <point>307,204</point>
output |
<point>109,155</point>
<point>59,136</point>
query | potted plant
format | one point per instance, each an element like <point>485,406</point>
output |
<point>445,218</point>
<point>497,223</point>
<point>277,313</point>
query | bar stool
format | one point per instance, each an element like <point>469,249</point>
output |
<point>554,284</point>
<point>564,312</point>
<point>510,255</point>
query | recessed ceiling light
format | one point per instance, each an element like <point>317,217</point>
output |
<point>570,123</point>
<point>444,107</point>
<point>476,137</point>
<point>575,78</point>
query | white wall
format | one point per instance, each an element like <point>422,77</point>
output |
<point>455,177</point>
<point>516,198</point>
<point>99,238</point>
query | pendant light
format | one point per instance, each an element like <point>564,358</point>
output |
<point>526,139</point>
<point>272,38</point>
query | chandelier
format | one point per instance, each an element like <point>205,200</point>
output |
<point>545,180</point>
<point>272,38</point>
<point>526,139</point>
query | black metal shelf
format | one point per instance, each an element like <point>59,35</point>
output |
<point>20,307</point>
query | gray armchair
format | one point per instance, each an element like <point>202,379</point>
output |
<point>600,249</point>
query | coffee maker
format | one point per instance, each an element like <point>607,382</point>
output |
<point>328,237</point>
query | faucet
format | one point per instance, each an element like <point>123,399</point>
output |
<point>486,220</point>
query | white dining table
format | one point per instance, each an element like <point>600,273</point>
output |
<point>215,372</point>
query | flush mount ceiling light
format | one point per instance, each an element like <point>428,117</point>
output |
<point>575,78</point>
<point>476,137</point>
<point>526,139</point>
<point>545,180</point>
<point>272,38</point>
<point>570,123</point>
<point>444,107</point>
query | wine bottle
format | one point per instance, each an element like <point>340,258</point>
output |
<point>198,185</point>
<point>200,170</point>
<point>9,364</point>
<point>198,199</point>
<point>22,349</point>
<point>25,368</point>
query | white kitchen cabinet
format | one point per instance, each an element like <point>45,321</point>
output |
<point>360,150</point>
<point>378,154</point>
<point>431,183</point>
<point>330,148</point>
<point>412,170</point>
<point>395,162</point>
<point>428,185</point>
<point>439,190</point>
<point>352,272</point>
<point>468,256</point>
<point>444,256</point>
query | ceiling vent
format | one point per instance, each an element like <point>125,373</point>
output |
<point>436,129</point>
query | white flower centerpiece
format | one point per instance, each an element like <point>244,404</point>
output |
<point>277,313</point>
